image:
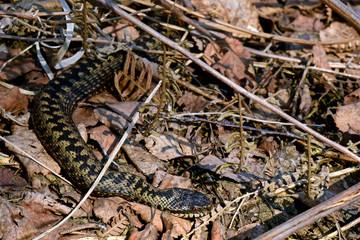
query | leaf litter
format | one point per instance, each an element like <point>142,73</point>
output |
<point>284,60</point>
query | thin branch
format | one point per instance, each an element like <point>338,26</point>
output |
<point>313,214</point>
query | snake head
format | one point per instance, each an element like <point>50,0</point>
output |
<point>188,204</point>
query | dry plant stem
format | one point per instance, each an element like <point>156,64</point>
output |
<point>347,13</point>
<point>241,136</point>
<point>332,65</point>
<point>224,79</point>
<point>171,7</point>
<point>106,166</point>
<point>309,165</point>
<point>344,228</point>
<point>230,124</point>
<point>85,31</point>
<point>274,56</point>
<point>313,214</point>
<point>300,86</point>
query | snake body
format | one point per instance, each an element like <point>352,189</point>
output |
<point>53,125</point>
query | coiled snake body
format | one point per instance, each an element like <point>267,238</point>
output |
<point>56,130</point>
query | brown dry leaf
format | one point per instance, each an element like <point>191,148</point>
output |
<point>320,59</point>
<point>121,115</point>
<point>83,131</point>
<point>165,180</point>
<point>103,98</point>
<point>238,13</point>
<point>111,119</point>
<point>107,208</point>
<point>338,31</point>
<point>237,69</point>
<point>123,32</point>
<point>217,47</point>
<point>347,118</point>
<point>192,102</point>
<point>10,182</point>
<point>84,116</point>
<point>33,79</point>
<point>28,142</point>
<point>235,63</point>
<point>145,162</point>
<point>168,146</point>
<point>269,145</point>
<point>44,208</point>
<point>176,227</point>
<point>217,230</point>
<point>307,24</point>
<point>145,213</point>
<point>201,233</point>
<point>352,97</point>
<point>18,66</point>
<point>305,102</point>
<point>12,100</point>
<point>149,233</point>
<point>15,222</point>
<point>103,136</point>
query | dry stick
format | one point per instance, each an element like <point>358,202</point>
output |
<point>347,13</point>
<point>344,228</point>
<point>106,166</point>
<point>224,79</point>
<point>241,154</point>
<point>313,214</point>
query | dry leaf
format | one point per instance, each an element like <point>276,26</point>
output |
<point>28,142</point>
<point>192,102</point>
<point>217,230</point>
<point>18,67</point>
<point>123,32</point>
<point>238,13</point>
<point>103,136</point>
<point>320,59</point>
<point>12,100</point>
<point>177,226</point>
<point>15,222</point>
<point>305,102</point>
<point>107,208</point>
<point>347,118</point>
<point>168,146</point>
<point>149,233</point>
<point>338,31</point>
<point>11,182</point>
<point>145,162</point>
<point>44,209</point>
<point>146,213</point>
<point>84,116</point>
<point>352,97</point>
<point>164,180</point>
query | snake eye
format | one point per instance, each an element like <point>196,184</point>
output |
<point>194,209</point>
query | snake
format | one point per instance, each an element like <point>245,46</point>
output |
<point>54,127</point>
